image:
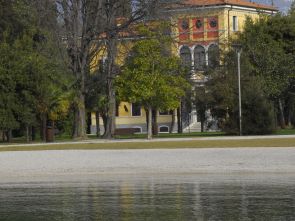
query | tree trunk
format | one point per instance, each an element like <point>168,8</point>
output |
<point>9,135</point>
<point>75,123</point>
<point>53,129</point>
<point>202,125</point>
<point>203,119</point>
<point>43,126</point>
<point>33,133</point>
<point>78,47</point>
<point>146,118</point>
<point>154,122</point>
<point>281,115</point>
<point>289,118</point>
<point>290,109</point>
<point>275,114</point>
<point>111,116</point>
<point>80,119</point>
<point>149,125</point>
<point>172,122</point>
<point>97,124</point>
<point>27,133</point>
<point>111,47</point>
<point>179,121</point>
<point>105,122</point>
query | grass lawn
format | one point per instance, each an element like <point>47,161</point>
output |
<point>285,132</point>
<point>65,137</point>
<point>174,135</point>
<point>277,142</point>
<point>174,144</point>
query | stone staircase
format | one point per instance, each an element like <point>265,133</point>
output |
<point>194,127</point>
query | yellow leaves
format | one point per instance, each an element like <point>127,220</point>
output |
<point>59,109</point>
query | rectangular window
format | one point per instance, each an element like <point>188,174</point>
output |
<point>235,23</point>
<point>136,110</point>
<point>163,112</point>
<point>166,112</point>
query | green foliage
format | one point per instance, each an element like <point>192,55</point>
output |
<point>257,111</point>
<point>258,115</point>
<point>96,96</point>
<point>222,98</point>
<point>8,104</point>
<point>32,75</point>
<point>268,67</point>
<point>269,45</point>
<point>152,77</point>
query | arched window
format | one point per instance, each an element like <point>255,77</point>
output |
<point>164,129</point>
<point>185,55</point>
<point>213,56</point>
<point>200,58</point>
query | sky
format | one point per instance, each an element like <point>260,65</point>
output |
<point>283,5</point>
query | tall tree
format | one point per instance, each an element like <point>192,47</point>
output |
<point>153,78</point>
<point>269,45</point>
<point>222,97</point>
<point>119,23</point>
<point>91,26</point>
<point>8,97</point>
<point>33,57</point>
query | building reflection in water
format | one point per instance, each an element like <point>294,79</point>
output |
<point>148,200</point>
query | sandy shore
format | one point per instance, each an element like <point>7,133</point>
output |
<point>71,164</point>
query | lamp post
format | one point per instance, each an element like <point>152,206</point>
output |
<point>238,49</point>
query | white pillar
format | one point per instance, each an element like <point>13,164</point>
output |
<point>193,58</point>
<point>206,56</point>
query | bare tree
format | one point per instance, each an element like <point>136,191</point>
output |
<point>81,22</point>
<point>119,22</point>
<point>90,26</point>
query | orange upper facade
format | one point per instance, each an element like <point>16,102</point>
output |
<point>212,21</point>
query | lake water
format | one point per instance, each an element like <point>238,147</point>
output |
<point>155,198</point>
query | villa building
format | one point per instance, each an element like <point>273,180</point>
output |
<point>201,27</point>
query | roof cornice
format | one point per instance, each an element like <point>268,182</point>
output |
<point>182,9</point>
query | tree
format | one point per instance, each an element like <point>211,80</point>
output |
<point>90,26</point>
<point>258,110</point>
<point>96,97</point>
<point>12,28</point>
<point>267,76</point>
<point>222,97</point>
<point>8,98</point>
<point>153,78</point>
<point>201,101</point>
<point>269,45</point>
<point>29,54</point>
<point>81,24</point>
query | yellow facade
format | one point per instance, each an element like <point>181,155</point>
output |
<point>225,22</point>
<point>230,20</point>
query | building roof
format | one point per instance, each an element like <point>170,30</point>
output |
<point>204,3</point>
